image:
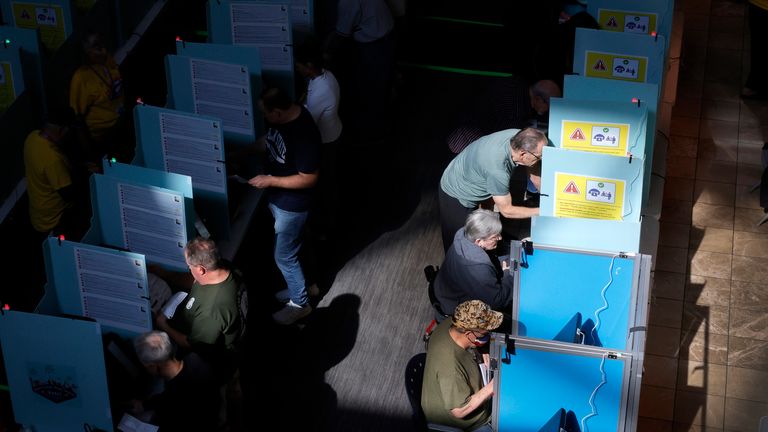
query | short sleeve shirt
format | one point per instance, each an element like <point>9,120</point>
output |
<point>47,170</point>
<point>96,93</point>
<point>210,315</point>
<point>481,170</point>
<point>451,377</point>
<point>293,147</point>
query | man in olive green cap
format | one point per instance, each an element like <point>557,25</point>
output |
<point>453,393</point>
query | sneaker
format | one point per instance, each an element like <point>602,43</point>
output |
<point>290,313</point>
<point>283,297</point>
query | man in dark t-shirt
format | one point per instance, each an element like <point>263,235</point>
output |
<point>191,398</point>
<point>292,144</point>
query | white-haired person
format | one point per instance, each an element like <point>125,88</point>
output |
<point>190,399</point>
<point>470,271</point>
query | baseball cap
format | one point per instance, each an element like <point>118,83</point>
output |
<point>476,315</point>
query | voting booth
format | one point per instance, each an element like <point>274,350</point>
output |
<point>214,89</point>
<point>144,211</point>
<point>191,145</point>
<point>52,18</point>
<point>56,373</point>
<point>107,285</point>
<point>266,25</point>
<point>583,297</point>
<point>545,386</point>
<point>247,56</point>
<point>11,77</point>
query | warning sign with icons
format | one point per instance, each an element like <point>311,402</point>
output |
<point>606,138</point>
<point>46,16</point>
<point>615,66</point>
<point>579,196</point>
<point>627,21</point>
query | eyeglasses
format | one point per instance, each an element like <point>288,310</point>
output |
<point>536,158</point>
<point>494,237</point>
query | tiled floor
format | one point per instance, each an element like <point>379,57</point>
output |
<point>706,365</point>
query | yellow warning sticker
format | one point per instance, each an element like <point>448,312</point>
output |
<point>605,138</point>
<point>579,196</point>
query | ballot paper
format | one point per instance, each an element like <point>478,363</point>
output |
<point>170,306</point>
<point>130,423</point>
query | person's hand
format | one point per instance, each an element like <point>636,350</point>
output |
<point>261,181</point>
<point>135,407</point>
<point>161,322</point>
<point>487,360</point>
<point>504,265</point>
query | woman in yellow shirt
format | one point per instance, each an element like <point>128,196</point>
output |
<point>96,95</point>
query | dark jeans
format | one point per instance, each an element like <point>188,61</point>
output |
<point>453,216</point>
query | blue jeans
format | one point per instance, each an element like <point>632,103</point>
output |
<point>288,230</point>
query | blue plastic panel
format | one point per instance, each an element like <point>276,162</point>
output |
<point>561,167</point>
<point>646,55</point>
<point>11,76</point>
<point>56,373</point>
<point>638,16</point>
<point>586,234</point>
<point>536,384</point>
<point>597,287</point>
<point>107,285</point>
<point>29,44</point>
<point>260,24</point>
<point>53,19</point>
<point>197,85</point>
<point>629,118</point>
<point>192,145</point>
<point>157,201</point>
<point>577,87</point>
<point>246,55</point>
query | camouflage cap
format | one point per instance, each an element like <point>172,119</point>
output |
<point>476,315</point>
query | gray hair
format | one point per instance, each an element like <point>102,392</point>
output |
<point>154,347</point>
<point>203,252</point>
<point>481,224</point>
<point>528,140</point>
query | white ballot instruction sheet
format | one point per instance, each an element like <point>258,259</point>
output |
<point>267,26</point>
<point>223,90</point>
<point>153,223</point>
<point>193,146</point>
<point>113,289</point>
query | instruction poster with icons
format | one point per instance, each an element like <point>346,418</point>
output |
<point>610,128</point>
<point>588,197</point>
<point>647,17</point>
<point>616,66</point>
<point>608,138</point>
<point>52,18</point>
<point>629,22</point>
<point>623,56</point>
<point>590,185</point>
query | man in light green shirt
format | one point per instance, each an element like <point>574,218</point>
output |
<point>479,177</point>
